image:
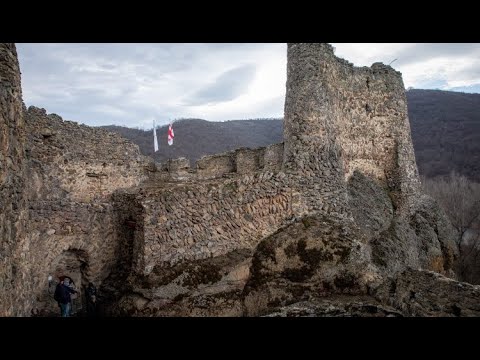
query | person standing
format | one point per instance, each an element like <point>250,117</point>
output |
<point>91,294</point>
<point>62,296</point>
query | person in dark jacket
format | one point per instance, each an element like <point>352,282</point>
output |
<point>91,294</point>
<point>62,295</point>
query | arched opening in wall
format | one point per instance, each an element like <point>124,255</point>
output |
<point>72,264</point>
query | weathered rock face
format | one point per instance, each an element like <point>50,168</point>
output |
<point>327,213</point>
<point>420,237</point>
<point>317,256</point>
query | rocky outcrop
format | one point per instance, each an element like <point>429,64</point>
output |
<point>420,237</point>
<point>315,257</point>
<point>411,292</point>
<point>338,306</point>
<point>427,293</point>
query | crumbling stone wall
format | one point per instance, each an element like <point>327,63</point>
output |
<point>77,161</point>
<point>213,166</point>
<point>12,185</point>
<point>272,158</point>
<point>202,219</point>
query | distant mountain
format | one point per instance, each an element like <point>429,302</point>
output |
<point>445,132</point>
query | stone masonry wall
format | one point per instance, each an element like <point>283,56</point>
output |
<point>73,171</point>
<point>185,222</point>
<point>213,166</point>
<point>12,184</point>
<point>272,158</point>
<point>87,232</point>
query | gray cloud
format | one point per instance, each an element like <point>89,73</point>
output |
<point>86,82</point>
<point>131,84</point>
<point>423,52</point>
<point>272,107</point>
<point>469,72</point>
<point>227,86</point>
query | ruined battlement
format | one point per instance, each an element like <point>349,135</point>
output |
<point>227,164</point>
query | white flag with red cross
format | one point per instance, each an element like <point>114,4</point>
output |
<point>170,135</point>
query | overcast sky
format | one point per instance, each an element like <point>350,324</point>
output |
<point>132,84</point>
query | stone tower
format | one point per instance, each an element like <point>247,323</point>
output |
<point>348,118</point>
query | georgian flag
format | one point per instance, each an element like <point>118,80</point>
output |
<point>170,135</point>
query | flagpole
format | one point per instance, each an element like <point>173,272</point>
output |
<point>155,141</point>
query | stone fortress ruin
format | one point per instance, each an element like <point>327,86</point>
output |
<point>334,213</point>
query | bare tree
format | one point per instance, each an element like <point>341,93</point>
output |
<point>460,198</point>
<point>469,264</point>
